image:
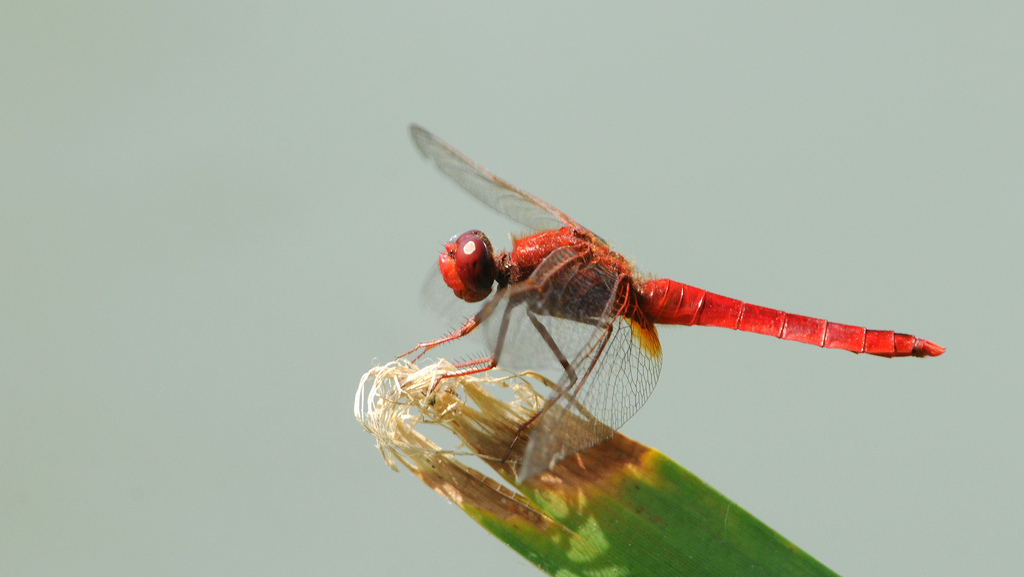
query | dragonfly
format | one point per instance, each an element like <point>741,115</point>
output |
<point>562,298</point>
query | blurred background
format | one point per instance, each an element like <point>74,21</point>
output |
<point>213,221</point>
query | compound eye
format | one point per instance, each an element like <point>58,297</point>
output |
<point>474,262</point>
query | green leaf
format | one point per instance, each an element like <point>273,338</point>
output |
<point>618,508</point>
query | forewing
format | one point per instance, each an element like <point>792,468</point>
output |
<point>495,192</point>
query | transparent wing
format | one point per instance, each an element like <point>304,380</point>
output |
<point>616,377</point>
<point>580,319</point>
<point>495,192</point>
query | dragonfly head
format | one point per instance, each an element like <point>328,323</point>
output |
<point>467,266</point>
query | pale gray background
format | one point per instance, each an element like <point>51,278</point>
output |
<point>212,221</point>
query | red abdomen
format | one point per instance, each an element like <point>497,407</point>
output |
<point>665,301</point>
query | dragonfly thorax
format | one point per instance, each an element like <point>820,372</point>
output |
<point>467,266</point>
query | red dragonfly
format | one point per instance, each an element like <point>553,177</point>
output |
<point>565,300</point>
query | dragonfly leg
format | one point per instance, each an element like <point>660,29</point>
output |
<point>550,342</point>
<point>519,432</point>
<point>571,389</point>
<point>485,363</point>
<point>566,366</point>
<point>466,328</point>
